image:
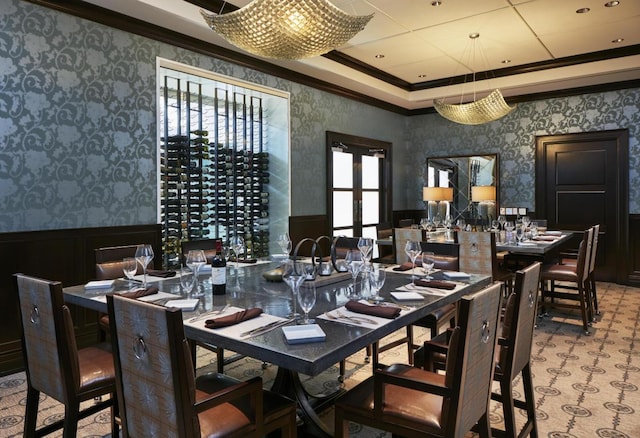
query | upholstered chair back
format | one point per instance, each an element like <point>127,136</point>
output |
<point>207,245</point>
<point>400,238</point>
<point>477,252</point>
<point>109,261</point>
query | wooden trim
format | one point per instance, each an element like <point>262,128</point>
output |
<point>634,250</point>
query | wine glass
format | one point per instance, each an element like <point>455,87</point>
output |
<point>144,255</point>
<point>187,280</point>
<point>365,245</point>
<point>130,268</point>
<point>509,226</point>
<point>377,277</point>
<point>520,233</point>
<point>526,220</point>
<point>307,299</point>
<point>284,241</point>
<point>292,275</point>
<point>353,260</point>
<point>237,245</point>
<point>436,221</point>
<point>502,220</point>
<point>428,262</point>
<point>412,249</point>
<point>195,259</point>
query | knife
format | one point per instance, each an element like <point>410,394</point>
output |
<point>266,328</point>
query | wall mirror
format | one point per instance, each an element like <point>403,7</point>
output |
<point>474,180</point>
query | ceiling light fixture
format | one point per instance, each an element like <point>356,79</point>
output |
<point>477,112</point>
<point>582,10</point>
<point>284,29</point>
<point>611,4</point>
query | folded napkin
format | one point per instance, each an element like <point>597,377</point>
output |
<point>546,238</point>
<point>436,284</point>
<point>160,273</point>
<point>388,312</point>
<point>407,266</point>
<point>235,318</point>
<point>137,293</point>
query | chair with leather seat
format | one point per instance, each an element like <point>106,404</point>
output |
<point>562,283</point>
<point>55,366</point>
<point>159,394</point>
<point>405,223</point>
<point>412,402</point>
<point>513,358</point>
<point>109,261</point>
<point>478,256</point>
<point>400,238</point>
<point>384,230</point>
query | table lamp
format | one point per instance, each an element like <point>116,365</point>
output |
<point>485,196</point>
<point>437,199</point>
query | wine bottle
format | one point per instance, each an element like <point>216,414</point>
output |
<point>218,272</point>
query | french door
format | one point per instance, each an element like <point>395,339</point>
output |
<point>359,175</point>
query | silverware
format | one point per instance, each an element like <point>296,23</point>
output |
<point>354,319</point>
<point>386,304</point>
<point>208,314</point>
<point>265,328</point>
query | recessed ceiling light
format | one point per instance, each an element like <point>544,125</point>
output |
<point>617,40</point>
<point>583,10</point>
<point>422,76</point>
<point>506,61</point>
<point>474,35</point>
<point>379,56</point>
<point>436,3</point>
<point>611,4</point>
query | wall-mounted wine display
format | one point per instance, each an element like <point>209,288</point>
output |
<point>214,168</point>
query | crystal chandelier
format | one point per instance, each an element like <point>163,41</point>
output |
<point>287,29</point>
<point>477,112</point>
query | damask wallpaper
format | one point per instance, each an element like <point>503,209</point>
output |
<point>78,127</point>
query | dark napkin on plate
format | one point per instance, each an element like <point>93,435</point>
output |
<point>407,266</point>
<point>235,318</point>
<point>160,273</point>
<point>388,312</point>
<point>137,293</point>
<point>247,260</point>
<point>436,284</point>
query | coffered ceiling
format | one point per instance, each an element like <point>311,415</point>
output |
<point>414,51</point>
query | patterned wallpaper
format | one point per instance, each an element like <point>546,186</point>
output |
<point>77,127</point>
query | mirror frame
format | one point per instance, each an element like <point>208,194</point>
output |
<point>459,178</point>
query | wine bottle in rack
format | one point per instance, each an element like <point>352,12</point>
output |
<point>200,132</point>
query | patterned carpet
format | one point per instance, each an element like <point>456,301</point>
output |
<point>585,386</point>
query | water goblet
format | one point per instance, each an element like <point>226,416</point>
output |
<point>520,233</point>
<point>292,275</point>
<point>187,280</point>
<point>526,220</point>
<point>429,225</point>
<point>237,245</point>
<point>195,259</point>
<point>428,262</point>
<point>365,245</point>
<point>307,299</point>
<point>377,277</point>
<point>412,249</point>
<point>284,241</point>
<point>129,268</point>
<point>502,220</point>
<point>436,221</point>
<point>354,263</point>
<point>144,255</point>
<point>423,223</point>
<point>509,226</point>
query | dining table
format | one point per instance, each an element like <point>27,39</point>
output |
<point>275,337</point>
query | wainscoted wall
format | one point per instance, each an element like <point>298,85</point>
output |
<point>78,123</point>
<point>513,137</point>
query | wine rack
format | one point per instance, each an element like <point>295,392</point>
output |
<point>214,169</point>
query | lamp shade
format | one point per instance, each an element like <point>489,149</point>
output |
<point>483,193</point>
<point>437,194</point>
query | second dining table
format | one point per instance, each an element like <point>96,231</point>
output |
<point>247,288</point>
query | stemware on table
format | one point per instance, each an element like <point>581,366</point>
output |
<point>284,241</point>
<point>307,299</point>
<point>237,245</point>
<point>413,249</point>
<point>293,275</point>
<point>187,280</point>
<point>377,277</point>
<point>144,255</point>
<point>195,259</point>
<point>353,261</point>
<point>129,268</point>
<point>428,262</point>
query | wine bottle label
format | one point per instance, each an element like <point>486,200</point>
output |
<point>218,276</point>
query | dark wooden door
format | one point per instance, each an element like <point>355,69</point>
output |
<point>582,180</point>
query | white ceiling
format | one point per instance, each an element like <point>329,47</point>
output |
<point>417,39</point>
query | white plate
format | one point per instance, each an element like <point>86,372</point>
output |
<point>406,296</point>
<point>552,233</point>
<point>299,334</point>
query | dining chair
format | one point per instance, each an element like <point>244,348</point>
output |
<point>159,394</point>
<point>209,246</point>
<point>55,366</point>
<point>513,358</point>
<point>400,238</point>
<point>560,283</point>
<point>109,261</point>
<point>384,230</point>
<point>405,223</point>
<point>412,402</point>
<point>478,256</point>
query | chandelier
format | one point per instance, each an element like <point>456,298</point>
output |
<point>477,112</point>
<point>287,29</point>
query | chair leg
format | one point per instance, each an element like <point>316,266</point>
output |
<point>341,428</point>
<point>527,384</point>
<point>220,359</point>
<point>31,415</point>
<point>584,307</point>
<point>484,430</point>
<point>594,295</point>
<point>410,343</point>
<point>508,408</point>
<point>71,418</point>
<point>342,371</point>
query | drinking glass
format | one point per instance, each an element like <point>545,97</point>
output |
<point>436,221</point>
<point>353,260</point>
<point>377,277</point>
<point>285,243</point>
<point>307,299</point>
<point>144,255</point>
<point>495,225</point>
<point>429,225</point>
<point>130,268</point>
<point>237,245</point>
<point>509,226</point>
<point>412,249</point>
<point>195,259</point>
<point>526,220</point>
<point>365,245</point>
<point>428,262</point>
<point>187,280</point>
<point>502,220</point>
<point>292,275</point>
<point>520,233</point>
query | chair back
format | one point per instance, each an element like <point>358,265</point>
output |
<point>405,223</point>
<point>209,246</point>
<point>519,322</point>
<point>109,261</point>
<point>384,230</point>
<point>594,248</point>
<point>156,386</point>
<point>584,255</point>
<point>50,351</point>
<point>478,252</point>
<point>446,254</point>
<point>400,237</point>
<point>344,244</point>
<point>470,362</point>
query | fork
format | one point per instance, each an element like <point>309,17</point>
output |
<point>354,319</point>
<point>208,314</point>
